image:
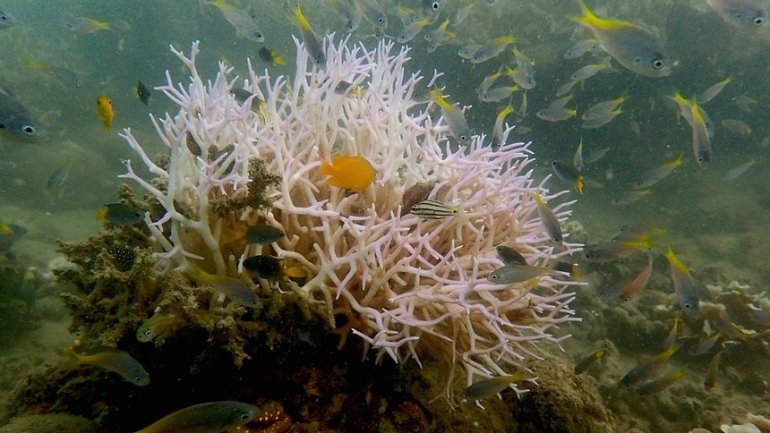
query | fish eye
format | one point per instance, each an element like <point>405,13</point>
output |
<point>759,21</point>
<point>28,129</point>
<point>436,6</point>
<point>381,19</point>
<point>657,64</point>
<point>4,17</point>
<point>244,416</point>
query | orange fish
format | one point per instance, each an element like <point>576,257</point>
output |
<point>104,110</point>
<point>349,172</point>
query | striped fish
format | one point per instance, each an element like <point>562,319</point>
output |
<point>433,209</point>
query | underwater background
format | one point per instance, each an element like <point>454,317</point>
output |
<point>60,58</point>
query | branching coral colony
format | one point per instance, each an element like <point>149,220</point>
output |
<point>410,286</point>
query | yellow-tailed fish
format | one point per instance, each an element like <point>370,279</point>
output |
<point>635,47</point>
<point>638,283</point>
<point>648,367</point>
<point>565,88</point>
<point>701,141</point>
<point>159,326</point>
<point>492,48</point>
<point>510,256</point>
<point>582,47</point>
<point>600,119</point>
<point>712,372</point>
<point>705,345</point>
<point>454,117</point>
<point>603,107</point>
<point>498,128</point>
<point>312,45</point>
<point>630,197</point>
<point>462,13</point>
<point>568,173</point>
<point>737,126</point>
<point>348,12</point>
<point>524,74</point>
<point>119,214</point>
<point>713,91</point>
<point>638,235</point>
<point>116,361</point>
<point>686,292</point>
<point>349,172</point>
<point>745,14</point>
<point>606,251</point>
<point>411,30</point>
<point>660,384</point>
<point>673,334</point>
<point>490,387</point>
<point>490,80</point>
<point>556,110</point>
<point>590,361</point>
<point>433,209</point>
<point>517,273</point>
<point>6,20</point>
<point>85,25</point>
<point>523,106</point>
<point>738,171</point>
<point>212,417</point>
<point>439,36</point>
<point>372,12</point>
<point>256,103</point>
<point>235,289</point>
<point>549,220</point>
<point>272,57</point>
<point>656,174</point>
<point>589,71</point>
<point>243,22</point>
<point>467,52</point>
<point>498,93</point>
<point>105,111</point>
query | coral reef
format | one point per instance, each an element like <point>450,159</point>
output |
<point>410,287</point>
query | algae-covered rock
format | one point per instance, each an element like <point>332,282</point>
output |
<point>562,403</point>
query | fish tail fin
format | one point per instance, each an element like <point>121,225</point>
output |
<point>300,19</point>
<point>279,59</point>
<point>580,183</point>
<point>72,359</point>
<point>101,213</point>
<point>588,16</point>
<point>437,96</point>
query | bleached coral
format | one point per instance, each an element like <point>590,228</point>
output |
<point>410,287</point>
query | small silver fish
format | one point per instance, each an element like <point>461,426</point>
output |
<point>713,91</point>
<point>736,172</point>
<point>737,126</point>
<point>589,71</point>
<point>747,14</point>
<point>549,220</point>
<point>686,292</point>
<point>85,25</point>
<point>372,12</point>
<point>581,48</point>
<point>508,255</point>
<point>433,209</point>
<point>630,197</point>
<point>117,361</point>
<point>242,22</point>
<point>492,48</point>
<point>6,20</point>
<point>517,273</point>
<point>656,174</point>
